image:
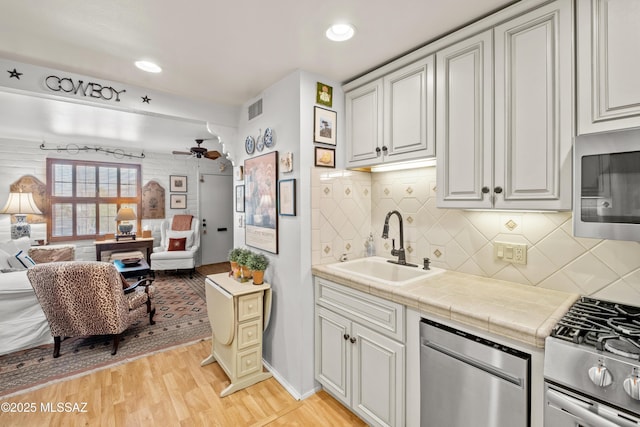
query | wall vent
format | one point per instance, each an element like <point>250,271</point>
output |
<point>255,109</point>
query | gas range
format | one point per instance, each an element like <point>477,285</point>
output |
<point>593,353</point>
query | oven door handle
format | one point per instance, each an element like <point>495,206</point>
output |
<point>568,404</point>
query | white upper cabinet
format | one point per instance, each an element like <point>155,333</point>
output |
<point>464,122</point>
<point>508,146</point>
<point>608,64</point>
<point>392,118</point>
<point>364,124</point>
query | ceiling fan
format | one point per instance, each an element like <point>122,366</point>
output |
<point>198,151</point>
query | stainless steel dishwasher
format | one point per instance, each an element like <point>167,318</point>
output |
<point>468,380</point>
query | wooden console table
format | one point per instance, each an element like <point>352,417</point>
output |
<point>238,313</point>
<point>124,245</point>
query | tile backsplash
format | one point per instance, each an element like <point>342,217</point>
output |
<point>348,205</point>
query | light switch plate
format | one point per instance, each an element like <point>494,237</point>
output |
<point>515,253</point>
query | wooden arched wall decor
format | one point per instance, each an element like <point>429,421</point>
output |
<point>31,184</point>
<point>153,201</point>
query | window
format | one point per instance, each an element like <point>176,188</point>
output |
<point>85,197</point>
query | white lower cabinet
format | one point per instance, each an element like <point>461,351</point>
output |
<point>360,364</point>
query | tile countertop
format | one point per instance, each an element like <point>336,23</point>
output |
<point>520,312</point>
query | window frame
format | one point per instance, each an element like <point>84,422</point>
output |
<point>74,200</point>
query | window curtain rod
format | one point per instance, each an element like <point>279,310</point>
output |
<point>75,149</point>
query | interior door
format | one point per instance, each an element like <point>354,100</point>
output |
<point>216,207</point>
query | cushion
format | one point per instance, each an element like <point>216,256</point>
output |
<point>21,261</point>
<point>4,260</point>
<point>177,244</point>
<point>188,235</point>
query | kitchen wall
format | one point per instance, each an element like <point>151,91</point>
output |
<point>463,240</point>
<point>288,340</point>
<point>20,157</point>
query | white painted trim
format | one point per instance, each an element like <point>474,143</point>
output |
<point>288,387</point>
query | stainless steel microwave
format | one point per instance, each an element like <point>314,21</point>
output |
<point>607,185</point>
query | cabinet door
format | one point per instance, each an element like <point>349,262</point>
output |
<point>378,377</point>
<point>333,354</point>
<point>364,124</point>
<point>409,112</point>
<point>464,126</point>
<point>608,63</point>
<point>533,109</point>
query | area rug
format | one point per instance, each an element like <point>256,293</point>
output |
<point>181,318</point>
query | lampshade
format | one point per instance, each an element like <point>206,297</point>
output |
<point>20,203</point>
<point>126,214</point>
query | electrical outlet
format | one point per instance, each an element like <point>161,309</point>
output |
<point>510,252</point>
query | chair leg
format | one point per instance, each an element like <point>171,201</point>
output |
<point>151,314</point>
<point>193,270</point>
<point>56,347</point>
<point>116,341</point>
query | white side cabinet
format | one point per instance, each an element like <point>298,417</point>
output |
<point>360,352</point>
<point>521,99</point>
<point>608,60</point>
<point>392,118</point>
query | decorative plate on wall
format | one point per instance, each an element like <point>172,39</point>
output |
<point>268,138</point>
<point>259,143</point>
<point>249,145</point>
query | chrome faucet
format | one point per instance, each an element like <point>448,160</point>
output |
<point>402,260</point>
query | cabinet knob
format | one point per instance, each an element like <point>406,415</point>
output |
<point>485,189</point>
<point>250,305</point>
<point>250,334</point>
<point>384,148</point>
<point>497,190</point>
<point>353,340</point>
<point>346,336</point>
<point>377,151</point>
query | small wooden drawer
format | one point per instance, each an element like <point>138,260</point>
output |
<point>249,361</point>
<point>249,334</point>
<point>249,306</point>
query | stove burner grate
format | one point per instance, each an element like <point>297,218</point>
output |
<point>623,347</point>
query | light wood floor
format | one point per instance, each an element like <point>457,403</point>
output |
<point>172,389</point>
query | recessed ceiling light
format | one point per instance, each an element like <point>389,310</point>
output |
<point>148,66</point>
<point>340,32</point>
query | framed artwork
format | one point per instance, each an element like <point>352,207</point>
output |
<point>153,201</point>
<point>178,184</point>
<point>324,94</point>
<point>238,173</point>
<point>178,201</point>
<point>325,157</point>
<point>260,200</point>
<point>286,162</point>
<point>324,125</point>
<point>239,198</point>
<point>287,197</point>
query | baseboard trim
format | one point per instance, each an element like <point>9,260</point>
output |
<point>288,387</point>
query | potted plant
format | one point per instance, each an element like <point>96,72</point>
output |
<point>243,259</point>
<point>258,263</point>
<point>234,254</point>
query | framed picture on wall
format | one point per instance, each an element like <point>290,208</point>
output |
<point>178,183</point>
<point>324,94</point>
<point>260,186</point>
<point>239,198</point>
<point>324,125</point>
<point>178,201</point>
<point>287,197</point>
<point>325,157</point>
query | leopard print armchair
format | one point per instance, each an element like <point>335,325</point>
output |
<point>89,298</point>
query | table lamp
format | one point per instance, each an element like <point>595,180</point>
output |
<point>123,217</point>
<point>20,204</point>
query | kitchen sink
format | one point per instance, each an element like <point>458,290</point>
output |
<point>380,270</point>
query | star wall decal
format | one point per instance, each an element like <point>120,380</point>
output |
<point>145,99</point>
<point>14,73</point>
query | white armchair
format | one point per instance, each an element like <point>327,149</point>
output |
<point>177,250</point>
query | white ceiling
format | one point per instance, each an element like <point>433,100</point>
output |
<point>220,52</point>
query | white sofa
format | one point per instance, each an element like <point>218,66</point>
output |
<point>22,322</point>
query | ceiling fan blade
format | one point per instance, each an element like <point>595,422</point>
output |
<point>186,153</point>
<point>212,154</point>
